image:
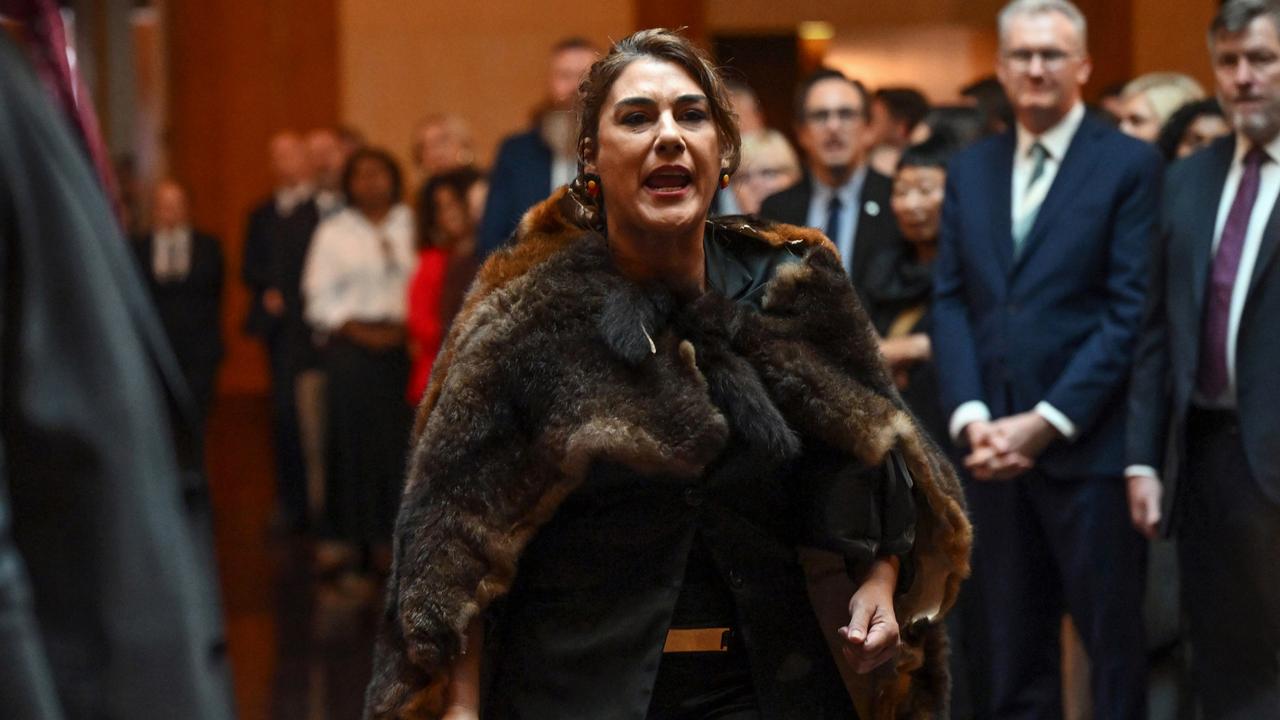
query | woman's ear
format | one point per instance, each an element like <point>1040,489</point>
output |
<point>587,155</point>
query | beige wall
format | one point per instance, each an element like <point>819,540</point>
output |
<point>957,54</point>
<point>1170,35</point>
<point>402,59</point>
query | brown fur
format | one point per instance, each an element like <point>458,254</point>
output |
<point>547,370</point>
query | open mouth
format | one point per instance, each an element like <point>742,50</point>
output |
<point>669,180</point>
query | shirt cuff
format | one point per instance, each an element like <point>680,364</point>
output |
<point>969,412</point>
<point>1141,470</point>
<point>1054,417</point>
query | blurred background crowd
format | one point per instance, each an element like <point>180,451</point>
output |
<point>309,188</point>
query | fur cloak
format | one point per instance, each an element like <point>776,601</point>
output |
<point>546,371</point>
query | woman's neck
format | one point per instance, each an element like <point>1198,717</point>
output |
<point>376,214</point>
<point>926,251</point>
<point>676,261</point>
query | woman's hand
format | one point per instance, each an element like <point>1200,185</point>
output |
<point>871,637</point>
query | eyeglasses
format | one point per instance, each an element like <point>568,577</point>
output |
<point>1052,58</point>
<point>844,115</point>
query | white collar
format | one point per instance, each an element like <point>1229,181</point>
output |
<point>1056,139</point>
<point>848,192</point>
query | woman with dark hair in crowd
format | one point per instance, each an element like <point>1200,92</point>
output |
<point>904,290</point>
<point>638,415</point>
<point>354,283</point>
<point>1192,127</point>
<point>446,264</point>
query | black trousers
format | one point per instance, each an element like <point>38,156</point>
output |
<point>1044,546</point>
<point>1229,551</point>
<point>704,686</point>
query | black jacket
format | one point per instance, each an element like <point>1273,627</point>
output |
<point>108,608</point>
<point>1164,374</point>
<point>191,310</point>
<point>877,233</point>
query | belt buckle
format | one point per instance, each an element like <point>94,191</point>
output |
<point>686,640</point>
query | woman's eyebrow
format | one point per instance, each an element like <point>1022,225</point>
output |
<point>650,102</point>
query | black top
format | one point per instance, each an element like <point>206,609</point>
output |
<point>627,555</point>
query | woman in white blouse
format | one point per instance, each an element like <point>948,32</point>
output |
<point>354,287</point>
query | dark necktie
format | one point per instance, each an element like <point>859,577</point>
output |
<point>1211,380</point>
<point>833,225</point>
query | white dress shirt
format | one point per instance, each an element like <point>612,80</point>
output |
<point>563,170</point>
<point>288,199</point>
<point>1027,200</point>
<point>1268,189</point>
<point>850,194</point>
<point>171,254</point>
<point>356,270</point>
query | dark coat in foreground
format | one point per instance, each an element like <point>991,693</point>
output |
<point>558,364</point>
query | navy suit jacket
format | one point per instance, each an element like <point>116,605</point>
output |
<point>1168,355</point>
<point>520,178</point>
<point>1059,322</point>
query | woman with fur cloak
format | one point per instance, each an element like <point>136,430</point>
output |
<point>641,424</point>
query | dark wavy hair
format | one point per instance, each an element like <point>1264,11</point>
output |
<point>1176,126</point>
<point>669,46</point>
<point>373,153</point>
<point>459,182</point>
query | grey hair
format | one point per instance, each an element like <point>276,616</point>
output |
<point>1235,15</point>
<point>1037,7</point>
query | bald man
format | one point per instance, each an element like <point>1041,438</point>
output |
<point>184,270</point>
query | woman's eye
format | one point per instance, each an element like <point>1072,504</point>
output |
<point>693,115</point>
<point>635,118</point>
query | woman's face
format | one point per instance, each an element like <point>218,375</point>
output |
<point>1202,131</point>
<point>657,151</point>
<point>767,173</point>
<point>917,202</point>
<point>370,185</point>
<point>452,218</point>
<point>1138,119</point>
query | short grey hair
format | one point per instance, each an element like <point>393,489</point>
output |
<point>1038,7</point>
<point>1235,15</point>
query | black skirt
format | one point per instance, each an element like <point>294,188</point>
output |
<point>368,440</point>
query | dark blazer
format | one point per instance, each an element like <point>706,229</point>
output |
<point>1058,323</point>
<point>107,603</point>
<point>520,179</point>
<point>191,310</point>
<point>1168,353</point>
<point>275,253</point>
<point>877,233</point>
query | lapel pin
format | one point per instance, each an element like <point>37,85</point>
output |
<point>872,207</point>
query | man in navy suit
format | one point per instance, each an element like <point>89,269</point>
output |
<point>531,164</point>
<point>1204,408</point>
<point>1038,296</point>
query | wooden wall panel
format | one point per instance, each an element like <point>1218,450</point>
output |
<point>238,72</point>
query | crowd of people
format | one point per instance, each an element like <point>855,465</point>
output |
<point>1072,299</point>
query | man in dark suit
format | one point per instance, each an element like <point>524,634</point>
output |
<point>531,164</point>
<point>184,271</point>
<point>108,608</point>
<point>275,250</point>
<point>839,194</point>
<point>1204,408</point>
<point>1038,295</point>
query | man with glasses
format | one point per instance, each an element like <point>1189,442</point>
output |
<point>1204,411</point>
<point>839,194</point>
<point>1039,286</point>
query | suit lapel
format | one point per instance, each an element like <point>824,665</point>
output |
<point>1206,220</point>
<point>868,231</point>
<point>1267,250</point>
<point>1000,188</point>
<point>1072,173</point>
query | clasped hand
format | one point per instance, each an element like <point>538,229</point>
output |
<point>1008,447</point>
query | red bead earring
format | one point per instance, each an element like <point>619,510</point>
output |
<point>593,188</point>
<point>724,180</point>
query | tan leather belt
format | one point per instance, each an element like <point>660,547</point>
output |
<point>681,640</point>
